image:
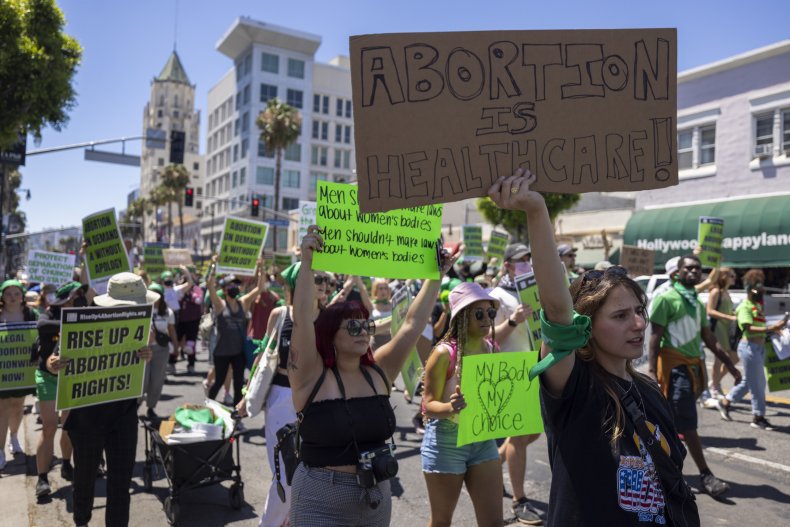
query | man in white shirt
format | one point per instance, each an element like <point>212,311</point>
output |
<point>512,334</point>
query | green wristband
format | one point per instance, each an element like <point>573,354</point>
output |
<point>563,340</point>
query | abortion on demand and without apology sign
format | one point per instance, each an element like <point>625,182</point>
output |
<point>396,244</point>
<point>586,110</point>
<point>101,345</point>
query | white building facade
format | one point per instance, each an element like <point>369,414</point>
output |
<point>272,61</point>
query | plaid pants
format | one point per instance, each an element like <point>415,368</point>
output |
<point>120,446</point>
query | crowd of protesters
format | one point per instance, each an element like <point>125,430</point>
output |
<point>337,362</point>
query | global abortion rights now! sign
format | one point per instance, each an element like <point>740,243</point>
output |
<point>586,110</point>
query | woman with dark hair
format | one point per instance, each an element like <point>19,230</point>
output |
<point>720,311</point>
<point>447,467</point>
<point>346,418</point>
<point>751,350</point>
<point>603,472</point>
<point>162,336</point>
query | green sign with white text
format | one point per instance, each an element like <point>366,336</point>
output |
<point>396,244</point>
<point>100,345</point>
<point>106,252</point>
<point>241,246</point>
<point>501,401</point>
<point>16,369</point>
<point>497,244</point>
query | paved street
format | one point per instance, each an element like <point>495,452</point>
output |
<point>756,463</point>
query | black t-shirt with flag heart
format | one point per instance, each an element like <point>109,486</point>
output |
<point>594,483</point>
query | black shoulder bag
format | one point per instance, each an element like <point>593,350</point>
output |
<point>680,503</point>
<point>288,443</point>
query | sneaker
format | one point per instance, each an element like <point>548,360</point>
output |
<point>711,403</point>
<point>724,411</point>
<point>191,370</point>
<point>43,488</point>
<point>227,400</point>
<point>526,513</point>
<point>14,446</point>
<point>762,423</point>
<point>715,391</point>
<point>67,471</point>
<point>151,414</point>
<point>713,485</point>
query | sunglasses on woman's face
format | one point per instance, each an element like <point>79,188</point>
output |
<point>614,270</point>
<point>356,325</point>
<point>318,279</point>
<point>480,313</point>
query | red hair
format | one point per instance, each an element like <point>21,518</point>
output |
<point>328,324</point>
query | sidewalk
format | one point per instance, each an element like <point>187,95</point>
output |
<point>15,480</point>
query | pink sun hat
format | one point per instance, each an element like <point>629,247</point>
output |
<point>468,293</point>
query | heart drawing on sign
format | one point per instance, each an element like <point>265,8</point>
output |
<point>494,396</point>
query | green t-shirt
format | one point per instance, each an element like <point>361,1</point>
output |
<point>752,314</point>
<point>683,324</point>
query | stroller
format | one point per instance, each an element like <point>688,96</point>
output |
<point>191,466</point>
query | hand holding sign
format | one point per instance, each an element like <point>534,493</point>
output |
<point>311,243</point>
<point>513,192</point>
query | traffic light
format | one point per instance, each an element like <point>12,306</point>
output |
<point>189,197</point>
<point>256,203</point>
<point>177,139</point>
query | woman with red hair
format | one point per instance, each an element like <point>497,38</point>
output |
<point>346,420</point>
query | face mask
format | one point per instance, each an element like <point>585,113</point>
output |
<point>232,292</point>
<point>51,297</point>
<point>522,268</point>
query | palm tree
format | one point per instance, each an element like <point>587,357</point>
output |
<point>161,195</point>
<point>280,126</point>
<point>175,178</point>
<point>136,212</point>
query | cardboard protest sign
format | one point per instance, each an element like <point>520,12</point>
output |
<point>501,401</point>
<point>472,236</point>
<point>16,368</point>
<point>101,345</point>
<point>153,261</point>
<point>586,110</point>
<point>283,260</point>
<point>777,371</point>
<point>50,268</point>
<point>241,246</point>
<point>412,369</point>
<point>497,244</point>
<point>106,252</point>
<point>176,257</point>
<point>710,238</point>
<point>396,244</point>
<point>638,262</point>
<point>527,288</point>
<point>306,218</point>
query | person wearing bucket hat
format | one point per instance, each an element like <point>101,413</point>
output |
<point>161,337</point>
<point>12,402</point>
<point>446,466</point>
<point>107,427</point>
<point>590,390</point>
<point>279,401</point>
<point>358,387</point>
<point>45,350</point>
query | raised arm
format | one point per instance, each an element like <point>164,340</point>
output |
<point>392,355</point>
<point>249,298</point>
<point>304,362</point>
<point>217,304</point>
<point>513,193</point>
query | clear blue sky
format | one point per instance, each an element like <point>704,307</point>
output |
<point>127,43</point>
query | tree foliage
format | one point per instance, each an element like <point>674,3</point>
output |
<point>175,179</point>
<point>280,125</point>
<point>515,221</point>
<point>37,64</point>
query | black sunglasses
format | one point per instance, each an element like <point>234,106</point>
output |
<point>480,313</point>
<point>318,279</point>
<point>356,325</point>
<point>614,270</point>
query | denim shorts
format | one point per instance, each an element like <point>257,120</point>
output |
<point>440,455</point>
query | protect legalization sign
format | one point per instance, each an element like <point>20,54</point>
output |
<point>501,401</point>
<point>101,345</point>
<point>50,268</point>
<point>241,246</point>
<point>106,252</point>
<point>396,244</point>
<point>16,369</point>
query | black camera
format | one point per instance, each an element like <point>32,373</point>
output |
<point>377,465</point>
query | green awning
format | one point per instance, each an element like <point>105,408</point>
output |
<point>756,230</point>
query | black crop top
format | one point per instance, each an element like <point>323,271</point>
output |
<point>328,427</point>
